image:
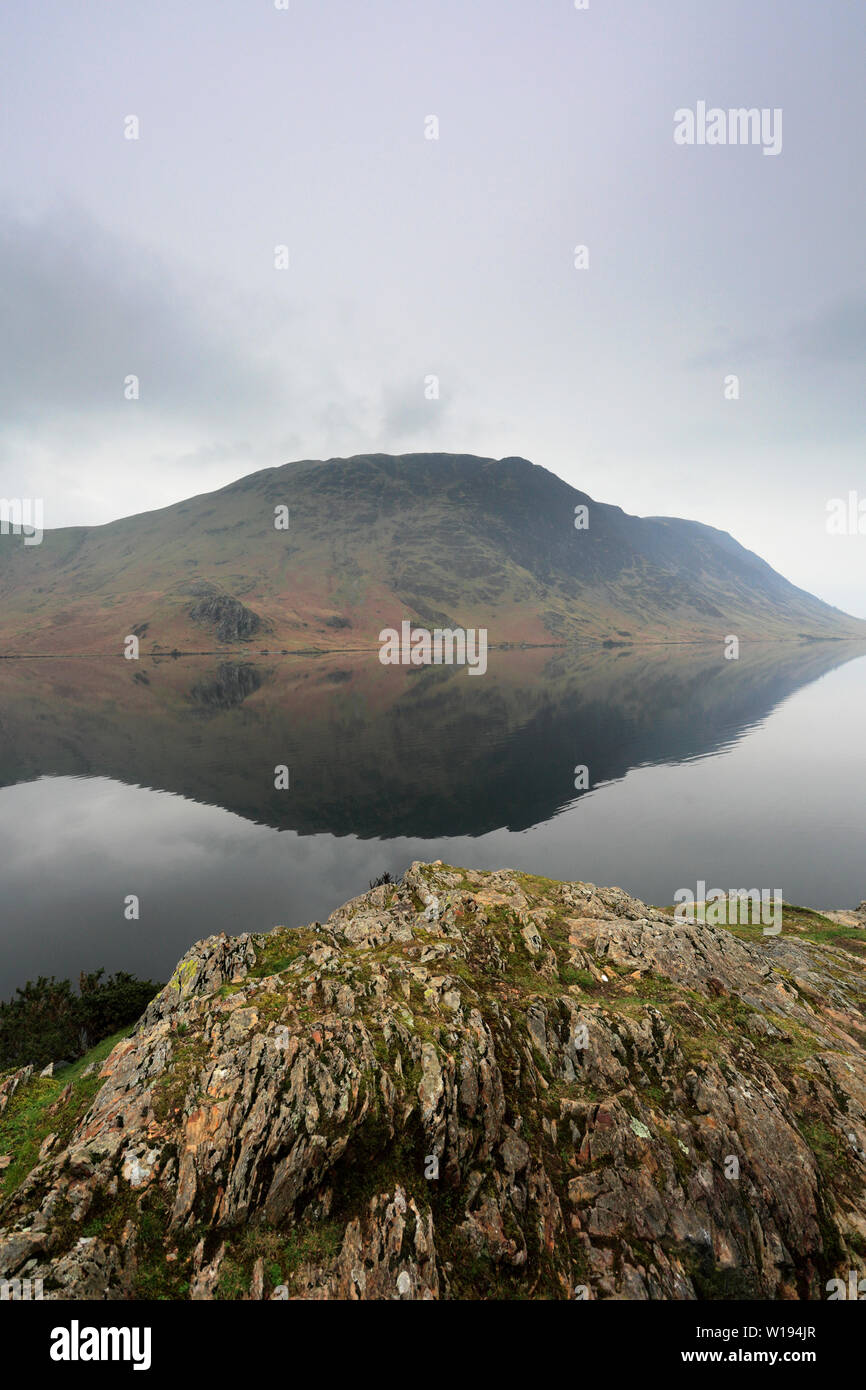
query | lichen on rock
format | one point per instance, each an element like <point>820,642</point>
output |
<point>468,1085</point>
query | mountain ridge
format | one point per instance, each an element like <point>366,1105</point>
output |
<point>442,539</point>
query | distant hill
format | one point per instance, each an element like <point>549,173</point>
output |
<point>441,539</point>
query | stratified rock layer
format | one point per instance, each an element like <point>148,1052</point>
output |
<point>470,1085</point>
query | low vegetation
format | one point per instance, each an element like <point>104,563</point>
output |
<point>48,1021</point>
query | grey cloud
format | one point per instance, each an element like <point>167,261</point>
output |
<point>82,310</point>
<point>834,334</point>
<point>407,414</point>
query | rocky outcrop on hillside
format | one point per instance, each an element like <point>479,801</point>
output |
<point>230,619</point>
<point>471,1085</point>
<point>10,1082</point>
<point>849,917</point>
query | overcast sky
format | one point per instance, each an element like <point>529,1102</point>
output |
<point>411,257</point>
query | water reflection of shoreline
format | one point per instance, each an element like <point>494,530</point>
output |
<point>392,751</point>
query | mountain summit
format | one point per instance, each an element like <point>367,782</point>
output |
<point>323,555</point>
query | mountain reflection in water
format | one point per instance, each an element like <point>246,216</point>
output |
<point>698,768</point>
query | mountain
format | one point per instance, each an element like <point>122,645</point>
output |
<point>444,540</point>
<point>469,1086</point>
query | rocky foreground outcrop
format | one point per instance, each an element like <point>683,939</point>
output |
<point>470,1085</point>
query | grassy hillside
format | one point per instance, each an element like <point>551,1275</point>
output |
<point>441,539</point>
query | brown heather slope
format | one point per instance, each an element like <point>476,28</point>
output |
<point>447,540</point>
<point>468,1085</point>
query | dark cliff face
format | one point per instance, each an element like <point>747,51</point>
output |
<point>467,1085</point>
<point>230,620</point>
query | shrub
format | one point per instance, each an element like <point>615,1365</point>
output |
<point>383,878</point>
<point>47,1021</point>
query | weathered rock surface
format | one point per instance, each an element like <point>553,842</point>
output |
<point>10,1082</point>
<point>470,1085</point>
<point>230,619</point>
<point>853,917</point>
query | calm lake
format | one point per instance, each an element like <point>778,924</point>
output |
<point>157,779</point>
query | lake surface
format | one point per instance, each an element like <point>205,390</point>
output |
<point>156,779</point>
